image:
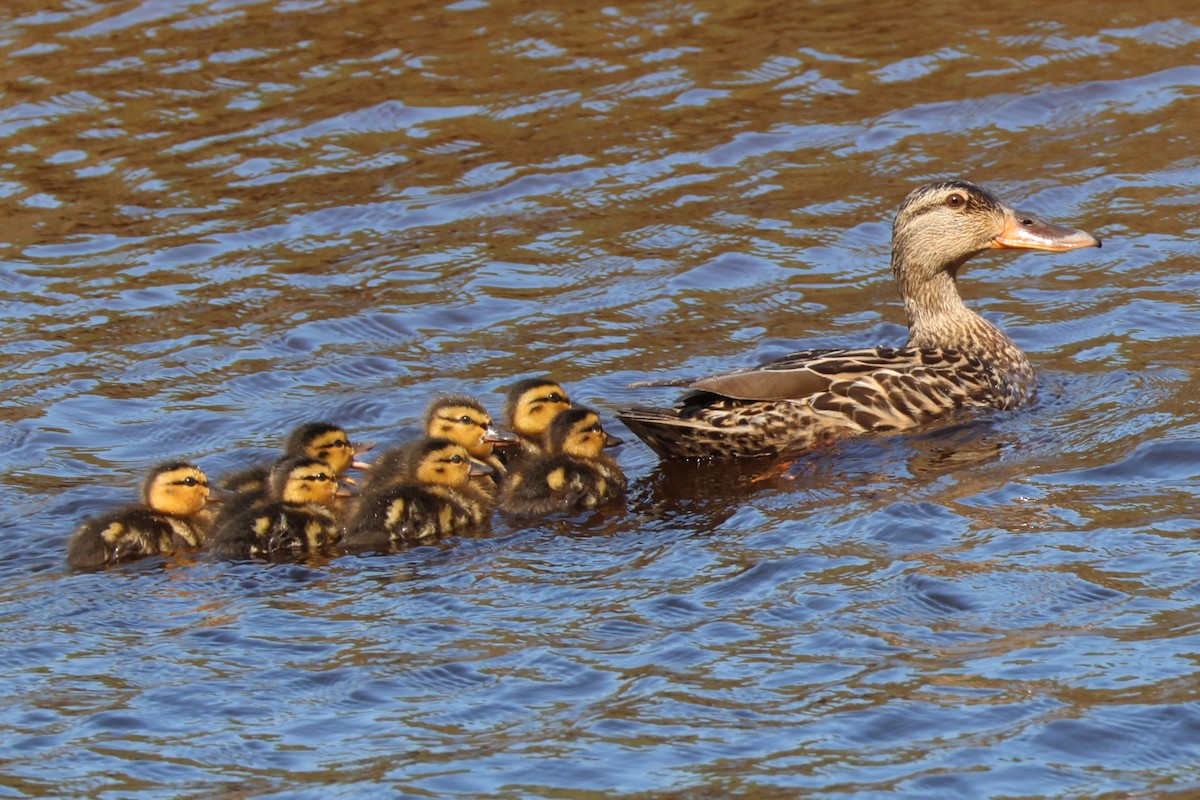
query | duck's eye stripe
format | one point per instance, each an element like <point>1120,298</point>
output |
<point>190,482</point>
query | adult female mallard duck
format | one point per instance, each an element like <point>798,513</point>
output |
<point>574,474</point>
<point>296,518</point>
<point>954,358</point>
<point>464,420</point>
<point>425,494</point>
<point>170,518</point>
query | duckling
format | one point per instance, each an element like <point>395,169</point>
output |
<point>171,517</point>
<point>427,495</point>
<point>574,475</point>
<point>464,420</point>
<point>531,405</point>
<point>321,440</point>
<point>297,516</point>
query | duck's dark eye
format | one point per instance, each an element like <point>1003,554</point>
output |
<point>339,443</point>
<point>188,481</point>
<point>554,397</point>
<point>456,459</point>
<point>956,201</point>
<point>320,476</point>
<point>464,419</point>
<point>595,428</point>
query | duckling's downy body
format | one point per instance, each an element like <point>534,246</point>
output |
<point>465,421</point>
<point>954,358</point>
<point>574,475</point>
<point>427,494</point>
<point>171,518</point>
<point>297,517</point>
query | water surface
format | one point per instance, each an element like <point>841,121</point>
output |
<point>222,219</point>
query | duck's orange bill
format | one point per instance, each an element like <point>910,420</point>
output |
<point>1027,232</point>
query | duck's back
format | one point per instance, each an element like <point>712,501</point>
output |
<point>275,528</point>
<point>562,483</point>
<point>808,399</point>
<point>408,513</point>
<point>130,533</point>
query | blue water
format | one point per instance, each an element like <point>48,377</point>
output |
<point>226,218</point>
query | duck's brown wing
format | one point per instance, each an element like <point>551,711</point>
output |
<point>806,399</point>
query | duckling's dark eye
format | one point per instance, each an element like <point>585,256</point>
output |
<point>188,481</point>
<point>320,476</point>
<point>464,419</point>
<point>554,397</point>
<point>456,459</point>
<point>956,201</point>
<point>339,443</point>
<point>595,428</point>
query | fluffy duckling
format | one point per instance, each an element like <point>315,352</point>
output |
<point>171,517</point>
<point>427,494</point>
<point>321,440</point>
<point>574,475</point>
<point>528,411</point>
<point>465,421</point>
<point>296,518</point>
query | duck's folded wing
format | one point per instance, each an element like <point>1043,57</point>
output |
<point>809,373</point>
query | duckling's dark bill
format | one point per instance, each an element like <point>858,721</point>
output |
<point>1026,232</point>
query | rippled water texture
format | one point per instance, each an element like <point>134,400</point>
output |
<point>224,218</point>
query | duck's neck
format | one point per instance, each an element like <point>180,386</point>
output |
<point>938,318</point>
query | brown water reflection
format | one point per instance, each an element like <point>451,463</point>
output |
<point>225,217</point>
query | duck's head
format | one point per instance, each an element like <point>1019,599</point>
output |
<point>940,225</point>
<point>464,420</point>
<point>178,489</point>
<point>578,432</point>
<point>300,479</point>
<point>441,462</point>
<point>532,404</point>
<point>327,442</point>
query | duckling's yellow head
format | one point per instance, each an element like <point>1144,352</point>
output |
<point>178,489</point>
<point>464,420</point>
<point>324,441</point>
<point>578,432</point>
<point>300,479</point>
<point>532,404</point>
<point>441,462</point>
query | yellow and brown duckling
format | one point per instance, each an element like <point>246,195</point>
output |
<point>954,358</point>
<point>296,518</point>
<point>320,440</point>
<point>528,410</point>
<point>170,518</point>
<point>464,420</point>
<point>575,475</point>
<point>425,493</point>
